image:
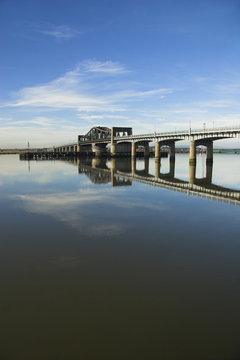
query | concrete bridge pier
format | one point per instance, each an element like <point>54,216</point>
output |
<point>172,151</point>
<point>146,149</point>
<point>113,149</point>
<point>121,149</point>
<point>209,145</point>
<point>133,152</point>
<point>157,151</point>
<point>99,149</point>
<point>192,152</point>
<point>80,149</point>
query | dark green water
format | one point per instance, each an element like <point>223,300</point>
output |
<point>96,264</point>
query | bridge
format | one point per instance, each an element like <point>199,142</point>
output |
<point>122,172</point>
<point>123,143</point>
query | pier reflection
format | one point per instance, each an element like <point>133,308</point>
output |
<point>99,173</point>
<point>123,171</point>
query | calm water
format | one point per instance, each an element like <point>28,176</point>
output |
<point>97,264</point>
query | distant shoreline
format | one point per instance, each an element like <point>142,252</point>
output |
<point>178,151</point>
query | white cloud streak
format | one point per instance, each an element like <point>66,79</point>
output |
<point>107,67</point>
<point>75,91</point>
<point>59,32</point>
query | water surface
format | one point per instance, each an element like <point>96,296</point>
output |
<point>120,260</point>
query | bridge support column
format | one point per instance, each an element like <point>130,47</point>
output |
<point>80,149</point>
<point>121,149</point>
<point>157,151</point>
<point>99,149</point>
<point>172,151</point>
<point>209,152</point>
<point>146,149</point>
<point>113,145</point>
<point>192,152</point>
<point>113,149</point>
<point>133,152</point>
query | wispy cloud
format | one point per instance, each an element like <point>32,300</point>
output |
<point>107,67</point>
<point>229,88</point>
<point>76,90</point>
<point>131,94</point>
<point>39,121</point>
<point>59,32</point>
<point>220,103</point>
<point>5,118</point>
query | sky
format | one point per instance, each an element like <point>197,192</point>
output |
<point>154,65</point>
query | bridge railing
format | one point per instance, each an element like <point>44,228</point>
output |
<point>72,144</point>
<point>183,132</point>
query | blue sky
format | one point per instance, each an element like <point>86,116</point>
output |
<point>69,65</point>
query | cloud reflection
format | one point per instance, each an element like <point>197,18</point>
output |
<point>87,210</point>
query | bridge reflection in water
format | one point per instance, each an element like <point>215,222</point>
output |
<point>123,171</point>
